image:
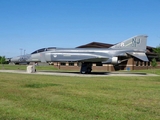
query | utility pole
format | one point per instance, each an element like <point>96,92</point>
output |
<point>20,51</point>
<point>24,52</point>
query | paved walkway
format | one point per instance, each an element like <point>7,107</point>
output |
<point>94,74</point>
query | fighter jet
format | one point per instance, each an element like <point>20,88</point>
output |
<point>135,46</point>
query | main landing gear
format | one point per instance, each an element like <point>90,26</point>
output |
<point>86,68</point>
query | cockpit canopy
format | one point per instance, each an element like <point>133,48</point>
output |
<point>43,50</point>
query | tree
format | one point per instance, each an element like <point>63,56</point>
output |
<point>2,59</point>
<point>154,63</point>
<point>157,50</point>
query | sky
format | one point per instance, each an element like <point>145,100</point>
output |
<point>33,24</point>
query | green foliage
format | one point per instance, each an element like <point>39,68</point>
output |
<point>2,60</point>
<point>41,97</point>
<point>157,50</point>
<point>154,63</point>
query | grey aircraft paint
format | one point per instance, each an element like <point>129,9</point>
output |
<point>135,46</point>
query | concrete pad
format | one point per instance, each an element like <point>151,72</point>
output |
<point>77,74</point>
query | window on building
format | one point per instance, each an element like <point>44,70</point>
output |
<point>137,63</point>
<point>79,64</point>
<point>63,64</point>
<point>99,64</point>
<point>141,64</point>
<point>71,64</point>
<point>149,64</point>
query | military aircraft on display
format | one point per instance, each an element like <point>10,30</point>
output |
<point>135,46</point>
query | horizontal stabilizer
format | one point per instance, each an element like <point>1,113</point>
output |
<point>139,55</point>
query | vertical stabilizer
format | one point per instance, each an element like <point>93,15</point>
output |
<point>138,42</point>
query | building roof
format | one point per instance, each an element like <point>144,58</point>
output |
<point>149,49</point>
<point>96,45</point>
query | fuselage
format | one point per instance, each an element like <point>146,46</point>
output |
<point>76,54</point>
<point>128,47</point>
<point>72,55</point>
<point>135,46</point>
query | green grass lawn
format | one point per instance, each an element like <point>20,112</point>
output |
<point>39,97</point>
<point>152,71</point>
<point>23,67</point>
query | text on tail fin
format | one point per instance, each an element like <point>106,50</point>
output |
<point>137,42</point>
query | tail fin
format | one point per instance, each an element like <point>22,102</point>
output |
<point>138,42</point>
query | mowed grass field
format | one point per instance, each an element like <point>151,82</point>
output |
<point>24,67</point>
<point>41,97</point>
